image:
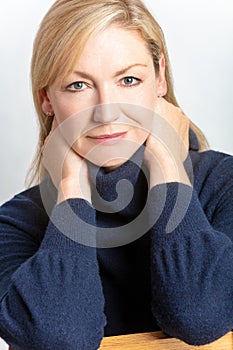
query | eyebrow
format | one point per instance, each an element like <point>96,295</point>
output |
<point>124,70</point>
<point>120,72</point>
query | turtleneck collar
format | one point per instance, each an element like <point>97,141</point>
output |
<point>109,185</point>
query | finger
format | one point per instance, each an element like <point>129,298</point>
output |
<point>53,128</point>
<point>162,105</point>
<point>54,124</point>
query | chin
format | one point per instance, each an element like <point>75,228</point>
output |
<point>112,165</point>
<point>110,157</point>
<point>107,163</point>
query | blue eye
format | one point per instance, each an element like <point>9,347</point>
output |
<point>130,81</point>
<point>77,86</point>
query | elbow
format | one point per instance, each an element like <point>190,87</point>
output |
<point>43,339</point>
<point>46,332</point>
<point>195,327</point>
<point>59,339</point>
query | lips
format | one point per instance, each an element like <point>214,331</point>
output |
<point>108,138</point>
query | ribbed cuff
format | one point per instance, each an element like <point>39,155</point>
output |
<point>72,222</point>
<point>175,208</point>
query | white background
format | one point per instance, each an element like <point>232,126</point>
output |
<point>199,37</point>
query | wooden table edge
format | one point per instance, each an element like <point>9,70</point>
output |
<point>157,340</point>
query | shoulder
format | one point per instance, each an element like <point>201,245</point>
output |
<point>208,168</point>
<point>40,196</point>
<point>213,178</point>
<point>213,166</point>
<point>28,209</point>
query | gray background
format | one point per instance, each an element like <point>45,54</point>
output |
<point>199,36</point>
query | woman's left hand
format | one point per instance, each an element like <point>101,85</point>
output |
<point>168,144</point>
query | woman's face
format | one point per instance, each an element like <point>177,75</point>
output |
<point>106,103</point>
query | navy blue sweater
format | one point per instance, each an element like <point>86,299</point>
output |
<point>58,293</point>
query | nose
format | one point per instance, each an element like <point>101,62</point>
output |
<point>106,113</point>
<point>107,110</point>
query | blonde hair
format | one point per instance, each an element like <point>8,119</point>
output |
<point>62,36</point>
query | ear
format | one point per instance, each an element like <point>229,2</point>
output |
<point>45,103</point>
<point>161,79</point>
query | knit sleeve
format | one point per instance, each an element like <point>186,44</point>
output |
<point>51,293</point>
<point>191,264</point>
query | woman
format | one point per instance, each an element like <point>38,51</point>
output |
<point>130,228</point>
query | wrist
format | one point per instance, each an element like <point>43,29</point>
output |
<point>70,188</point>
<point>167,171</point>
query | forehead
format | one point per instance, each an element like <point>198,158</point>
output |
<point>114,46</point>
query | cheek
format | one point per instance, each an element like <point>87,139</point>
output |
<point>140,116</point>
<point>80,147</point>
<point>146,98</point>
<point>151,95</point>
<point>63,112</point>
<point>140,135</point>
<point>74,128</point>
<point>63,106</point>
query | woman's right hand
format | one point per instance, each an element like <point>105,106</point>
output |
<point>67,169</point>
